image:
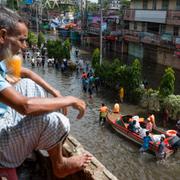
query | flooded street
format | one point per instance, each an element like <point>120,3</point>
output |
<point>118,154</point>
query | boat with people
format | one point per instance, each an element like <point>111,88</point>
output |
<point>121,122</point>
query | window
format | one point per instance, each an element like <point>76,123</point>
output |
<point>135,25</point>
<point>153,28</point>
<point>177,4</point>
<point>143,26</point>
<point>154,4</point>
<point>145,4</point>
<point>165,4</point>
<point>176,30</point>
<point>162,28</point>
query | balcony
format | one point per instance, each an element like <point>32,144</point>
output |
<point>150,38</point>
<point>131,36</point>
<point>173,18</point>
<point>166,40</point>
<point>140,15</point>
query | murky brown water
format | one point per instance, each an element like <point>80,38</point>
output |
<point>118,154</point>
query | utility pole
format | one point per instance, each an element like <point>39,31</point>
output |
<point>37,18</point>
<point>101,23</point>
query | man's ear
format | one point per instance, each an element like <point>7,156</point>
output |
<point>3,34</point>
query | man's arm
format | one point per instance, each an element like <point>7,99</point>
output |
<point>26,73</point>
<point>37,106</point>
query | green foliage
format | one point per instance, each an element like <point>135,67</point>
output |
<point>150,100</point>
<point>54,49</point>
<point>95,58</point>
<point>59,49</point>
<point>92,7</point>
<point>12,4</point>
<point>41,39</point>
<point>66,49</point>
<point>115,74</point>
<point>167,83</point>
<point>132,79</point>
<point>32,39</point>
<point>172,103</point>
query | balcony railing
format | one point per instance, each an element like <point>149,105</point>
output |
<point>130,35</point>
<point>150,38</point>
<point>173,18</point>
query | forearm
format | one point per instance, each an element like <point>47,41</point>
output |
<point>37,106</point>
<point>40,81</point>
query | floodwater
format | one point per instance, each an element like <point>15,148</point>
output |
<point>116,153</point>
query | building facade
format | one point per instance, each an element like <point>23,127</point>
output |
<point>115,4</point>
<point>152,31</point>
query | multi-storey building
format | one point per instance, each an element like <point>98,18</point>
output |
<point>152,31</point>
<point>115,5</point>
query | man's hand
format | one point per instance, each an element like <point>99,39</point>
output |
<point>80,106</point>
<point>56,93</point>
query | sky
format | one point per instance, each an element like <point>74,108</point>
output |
<point>94,1</point>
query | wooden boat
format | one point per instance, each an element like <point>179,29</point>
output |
<point>120,124</point>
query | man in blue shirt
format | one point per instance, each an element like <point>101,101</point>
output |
<point>146,140</point>
<point>29,120</point>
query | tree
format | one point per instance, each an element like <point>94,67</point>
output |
<point>167,83</point>
<point>12,4</point>
<point>41,39</point>
<point>92,7</point>
<point>32,39</point>
<point>66,48</point>
<point>55,50</point>
<point>95,57</point>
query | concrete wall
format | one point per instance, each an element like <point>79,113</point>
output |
<point>172,4</point>
<point>169,29</point>
<point>131,25</point>
<point>167,57</point>
<point>139,26</point>
<point>159,4</point>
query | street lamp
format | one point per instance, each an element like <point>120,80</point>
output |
<point>101,23</point>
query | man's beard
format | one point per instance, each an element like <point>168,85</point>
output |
<point>6,52</point>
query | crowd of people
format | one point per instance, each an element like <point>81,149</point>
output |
<point>90,82</point>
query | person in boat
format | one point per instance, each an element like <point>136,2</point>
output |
<point>175,140</point>
<point>29,119</point>
<point>132,127</point>
<point>151,117</point>
<point>149,125</point>
<point>137,124</point>
<point>142,132</point>
<point>157,137</point>
<point>116,108</point>
<point>103,113</point>
<point>146,140</point>
<point>161,149</point>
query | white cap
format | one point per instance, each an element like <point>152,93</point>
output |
<point>136,118</point>
<point>162,135</point>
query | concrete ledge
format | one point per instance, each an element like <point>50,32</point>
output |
<point>95,171</point>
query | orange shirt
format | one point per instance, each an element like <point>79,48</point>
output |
<point>116,108</point>
<point>103,111</point>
